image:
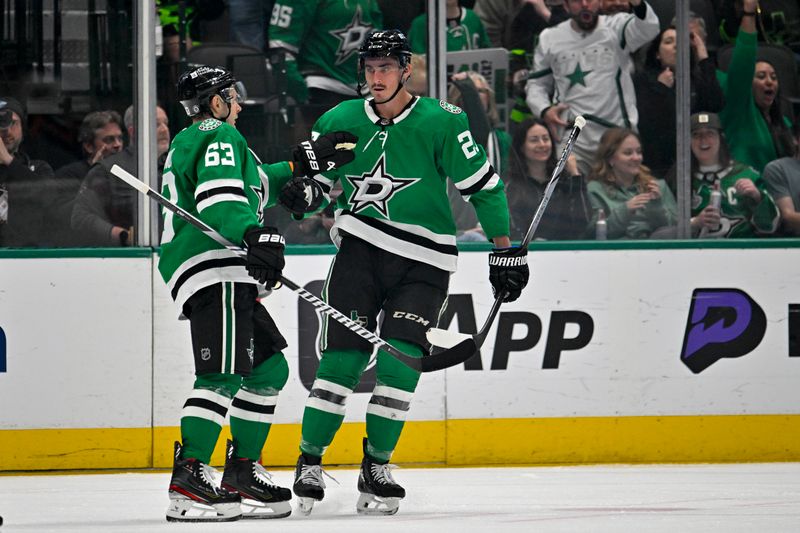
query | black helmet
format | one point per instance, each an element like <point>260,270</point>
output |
<point>196,86</point>
<point>385,43</point>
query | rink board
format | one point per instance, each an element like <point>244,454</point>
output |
<point>586,367</point>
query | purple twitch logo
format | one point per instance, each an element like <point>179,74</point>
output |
<point>722,323</point>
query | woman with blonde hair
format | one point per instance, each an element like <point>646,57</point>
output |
<point>635,204</point>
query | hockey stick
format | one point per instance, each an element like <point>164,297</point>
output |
<point>449,339</point>
<point>453,356</point>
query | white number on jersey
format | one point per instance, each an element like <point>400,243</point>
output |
<point>168,182</point>
<point>213,158</point>
<point>467,144</point>
<point>281,16</point>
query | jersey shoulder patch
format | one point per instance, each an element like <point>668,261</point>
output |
<point>447,106</point>
<point>209,124</point>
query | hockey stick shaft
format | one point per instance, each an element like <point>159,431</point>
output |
<point>457,354</point>
<point>440,337</point>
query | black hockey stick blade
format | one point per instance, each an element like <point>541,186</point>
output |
<point>429,363</point>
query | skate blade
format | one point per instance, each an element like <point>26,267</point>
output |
<point>183,509</point>
<point>369,504</point>
<point>305,505</point>
<point>252,509</point>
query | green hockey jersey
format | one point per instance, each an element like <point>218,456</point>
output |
<point>740,217</point>
<point>212,174</point>
<point>323,36</point>
<point>464,33</point>
<point>394,194</point>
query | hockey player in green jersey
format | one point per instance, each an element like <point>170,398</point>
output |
<point>239,367</point>
<point>322,39</point>
<point>397,249</point>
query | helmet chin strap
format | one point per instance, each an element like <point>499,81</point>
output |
<point>221,119</point>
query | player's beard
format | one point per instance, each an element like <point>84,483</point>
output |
<point>586,25</point>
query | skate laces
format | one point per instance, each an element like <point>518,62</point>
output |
<point>312,475</point>
<point>261,474</point>
<point>383,473</point>
<point>211,476</point>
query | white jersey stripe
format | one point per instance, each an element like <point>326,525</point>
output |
<point>217,198</point>
<point>466,183</point>
<point>205,414</point>
<point>386,412</point>
<point>218,184</point>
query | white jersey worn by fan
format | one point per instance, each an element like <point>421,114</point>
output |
<point>590,72</point>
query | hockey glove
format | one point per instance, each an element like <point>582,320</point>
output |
<point>265,255</point>
<point>301,195</point>
<point>328,152</point>
<point>508,271</point>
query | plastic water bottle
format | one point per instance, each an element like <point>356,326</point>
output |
<point>601,227</point>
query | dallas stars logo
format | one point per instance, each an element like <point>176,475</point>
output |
<point>376,188</point>
<point>577,76</point>
<point>350,37</point>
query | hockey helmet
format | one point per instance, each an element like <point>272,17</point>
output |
<point>385,43</point>
<point>198,85</point>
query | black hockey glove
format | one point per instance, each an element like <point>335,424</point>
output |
<point>301,195</point>
<point>328,152</point>
<point>508,271</point>
<point>265,255</point>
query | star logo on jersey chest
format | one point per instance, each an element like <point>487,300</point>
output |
<point>376,188</point>
<point>350,37</point>
<point>577,76</point>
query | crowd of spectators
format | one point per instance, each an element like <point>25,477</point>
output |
<point>612,61</point>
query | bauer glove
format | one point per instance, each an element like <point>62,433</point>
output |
<point>265,255</point>
<point>328,152</point>
<point>301,195</point>
<point>508,271</point>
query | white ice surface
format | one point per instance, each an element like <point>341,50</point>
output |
<point>674,498</point>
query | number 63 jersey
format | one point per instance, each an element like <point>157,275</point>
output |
<point>394,193</point>
<point>212,174</point>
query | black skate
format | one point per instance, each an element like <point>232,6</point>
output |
<point>380,493</point>
<point>309,487</point>
<point>260,497</point>
<point>193,495</point>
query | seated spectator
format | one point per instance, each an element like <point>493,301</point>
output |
<point>465,30</point>
<point>753,122</point>
<point>582,67</point>
<point>746,208</point>
<point>25,193</point>
<point>782,178</point>
<point>100,135</point>
<point>655,95</point>
<point>636,204</point>
<point>533,159</point>
<point>105,208</point>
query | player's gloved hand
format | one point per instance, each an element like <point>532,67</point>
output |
<point>328,152</point>
<point>508,271</point>
<point>301,195</point>
<point>265,255</point>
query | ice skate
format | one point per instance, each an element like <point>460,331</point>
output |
<point>193,495</point>
<point>260,497</point>
<point>380,493</point>
<point>309,487</point>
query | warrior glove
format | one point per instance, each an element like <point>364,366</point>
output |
<point>508,271</point>
<point>328,152</point>
<point>301,195</point>
<point>265,255</point>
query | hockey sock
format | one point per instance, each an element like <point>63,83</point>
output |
<point>337,376</point>
<point>204,413</point>
<point>390,402</point>
<point>253,406</point>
